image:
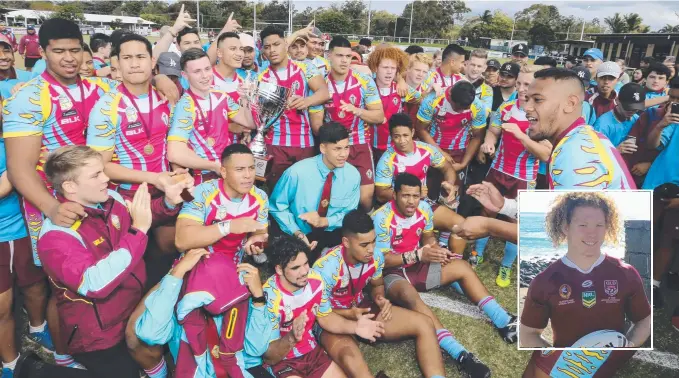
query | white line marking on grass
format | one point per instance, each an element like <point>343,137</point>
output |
<point>663,359</point>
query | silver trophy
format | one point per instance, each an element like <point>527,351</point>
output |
<point>267,101</point>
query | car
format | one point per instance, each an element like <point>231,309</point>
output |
<point>86,29</point>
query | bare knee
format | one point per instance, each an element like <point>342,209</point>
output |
<point>6,305</point>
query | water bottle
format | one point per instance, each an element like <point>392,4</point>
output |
<point>474,260</point>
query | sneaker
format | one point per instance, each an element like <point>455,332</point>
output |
<point>675,318</point>
<point>7,373</point>
<point>658,301</point>
<point>43,338</point>
<point>502,279</point>
<point>479,260</point>
<point>472,367</point>
<point>508,332</point>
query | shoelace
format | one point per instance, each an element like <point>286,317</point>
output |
<point>504,273</point>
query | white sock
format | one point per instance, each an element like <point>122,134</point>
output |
<point>10,365</point>
<point>656,283</point>
<point>40,328</point>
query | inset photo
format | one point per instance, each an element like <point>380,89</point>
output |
<point>585,270</point>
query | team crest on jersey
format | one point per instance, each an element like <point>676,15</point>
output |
<point>287,312</point>
<point>352,99</point>
<point>506,117</point>
<point>589,298</point>
<point>611,287</point>
<point>315,308</point>
<point>65,103</point>
<point>419,231</point>
<point>395,101</point>
<point>565,291</point>
<point>295,86</point>
<point>166,119</point>
<point>464,121</point>
<point>399,230</point>
<point>115,221</point>
<point>221,212</point>
<point>401,167</point>
<point>344,281</point>
<point>131,115</point>
<point>369,173</point>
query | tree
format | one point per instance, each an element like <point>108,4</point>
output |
<point>356,10</point>
<point>432,19</point>
<point>333,21</point>
<point>541,34</point>
<point>43,5</point>
<point>487,25</point>
<point>616,24</point>
<point>132,8</point>
<point>117,23</point>
<point>379,23</point>
<point>69,11</point>
<point>274,12</point>
<point>669,29</point>
<point>540,14</point>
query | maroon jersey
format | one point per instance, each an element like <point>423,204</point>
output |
<point>579,303</point>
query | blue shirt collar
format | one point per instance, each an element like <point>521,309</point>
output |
<point>321,166</point>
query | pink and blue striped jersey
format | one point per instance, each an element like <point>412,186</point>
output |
<point>345,282</point>
<point>360,91</point>
<point>392,103</point>
<point>293,128</point>
<point>283,307</point>
<point>583,158</point>
<point>512,158</point>
<point>115,125</point>
<point>186,126</point>
<point>417,163</point>
<point>211,204</point>
<point>399,234</point>
<point>451,130</point>
<point>437,77</point>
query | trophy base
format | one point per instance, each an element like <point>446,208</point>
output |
<point>261,167</point>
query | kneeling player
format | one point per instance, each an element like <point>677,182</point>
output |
<point>346,270</point>
<point>297,291</point>
<point>404,224</point>
<point>584,291</point>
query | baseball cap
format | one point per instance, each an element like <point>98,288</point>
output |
<point>632,96</point>
<point>594,53</point>
<point>5,40</point>
<point>583,73</point>
<point>30,27</point>
<point>511,69</point>
<point>302,38</point>
<point>520,48</point>
<point>246,40</point>
<point>315,33</point>
<point>493,63</point>
<point>168,64</point>
<point>608,69</point>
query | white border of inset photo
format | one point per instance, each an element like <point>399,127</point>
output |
<point>630,206</point>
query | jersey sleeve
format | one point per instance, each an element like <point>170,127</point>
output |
<point>103,123</point>
<point>496,117</point>
<point>370,92</point>
<point>428,216</point>
<point>426,112</point>
<point>378,258</point>
<point>183,120</point>
<point>257,331</point>
<point>25,113</point>
<point>263,212</point>
<point>384,172</point>
<point>325,308</point>
<point>272,310</point>
<point>536,308</point>
<point>479,114</point>
<point>437,158</point>
<point>637,307</point>
<point>666,135</point>
<point>233,106</point>
<point>196,210</point>
<point>383,231</point>
<point>157,323</point>
<point>329,268</point>
<point>585,171</point>
<point>310,71</point>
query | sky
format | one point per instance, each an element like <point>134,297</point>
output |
<point>539,202</point>
<point>654,13</point>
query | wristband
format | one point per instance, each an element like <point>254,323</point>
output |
<point>224,227</point>
<point>510,208</point>
<point>403,257</point>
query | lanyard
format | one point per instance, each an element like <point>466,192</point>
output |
<point>351,279</point>
<point>147,127</point>
<point>79,108</point>
<point>337,97</point>
<point>207,126</point>
<point>278,79</point>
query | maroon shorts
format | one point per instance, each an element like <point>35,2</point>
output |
<point>361,157</point>
<point>435,177</point>
<point>16,262</point>
<point>282,158</point>
<point>311,365</point>
<point>128,194</point>
<point>423,276</point>
<point>508,186</point>
<point>602,363</point>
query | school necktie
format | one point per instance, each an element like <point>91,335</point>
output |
<point>325,195</point>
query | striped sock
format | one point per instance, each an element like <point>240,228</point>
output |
<point>456,286</point>
<point>160,371</point>
<point>448,343</point>
<point>10,365</point>
<point>495,312</point>
<point>510,254</point>
<point>67,361</point>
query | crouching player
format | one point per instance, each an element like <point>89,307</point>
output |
<point>346,270</point>
<point>96,266</point>
<point>402,226</point>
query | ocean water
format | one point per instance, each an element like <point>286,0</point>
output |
<point>533,241</point>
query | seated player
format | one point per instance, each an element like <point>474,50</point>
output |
<point>414,262</point>
<point>354,103</point>
<point>515,163</point>
<point>313,195</point>
<point>297,298</point>
<point>96,266</point>
<point>581,158</point>
<point>132,124</point>
<point>584,291</point>
<point>454,122</point>
<point>415,157</point>
<point>346,270</point>
<point>200,126</point>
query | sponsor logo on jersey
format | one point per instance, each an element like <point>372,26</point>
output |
<point>611,287</point>
<point>589,298</point>
<point>587,283</point>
